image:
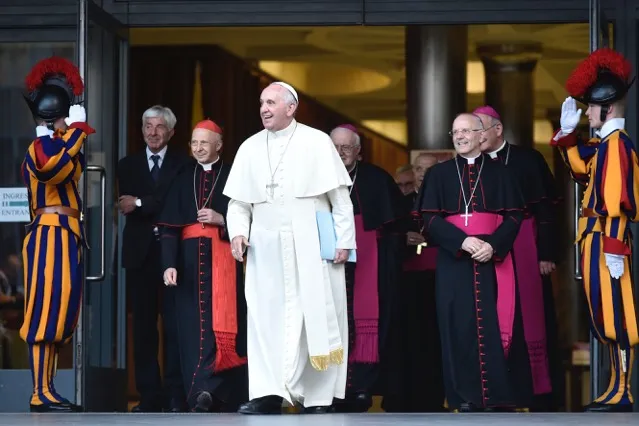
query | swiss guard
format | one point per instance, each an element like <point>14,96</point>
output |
<point>52,248</point>
<point>608,168</point>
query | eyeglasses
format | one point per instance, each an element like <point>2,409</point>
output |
<point>464,132</point>
<point>345,148</point>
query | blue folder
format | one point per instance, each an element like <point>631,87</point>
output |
<point>328,239</point>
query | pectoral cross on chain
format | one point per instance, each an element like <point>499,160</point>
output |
<point>419,247</point>
<point>271,188</point>
<point>466,216</point>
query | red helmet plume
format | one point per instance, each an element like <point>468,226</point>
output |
<point>55,67</point>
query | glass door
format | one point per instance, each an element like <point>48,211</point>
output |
<point>20,50</point>
<point>100,369</point>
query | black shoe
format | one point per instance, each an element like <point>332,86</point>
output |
<point>146,408</point>
<point>266,405</point>
<point>203,403</point>
<point>469,407</point>
<point>176,406</point>
<point>56,407</point>
<point>598,407</point>
<point>319,410</point>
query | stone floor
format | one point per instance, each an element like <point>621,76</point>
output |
<point>567,419</point>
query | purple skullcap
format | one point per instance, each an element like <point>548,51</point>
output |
<point>489,111</point>
<point>348,127</point>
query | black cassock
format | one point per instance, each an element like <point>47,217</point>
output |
<point>478,374</point>
<point>540,193</point>
<point>377,202</point>
<point>416,383</point>
<point>211,361</point>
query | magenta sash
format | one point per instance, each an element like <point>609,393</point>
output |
<point>426,261</point>
<point>532,305</point>
<point>365,296</point>
<point>487,223</point>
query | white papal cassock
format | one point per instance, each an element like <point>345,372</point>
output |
<point>297,320</point>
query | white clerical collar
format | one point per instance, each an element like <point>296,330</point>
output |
<point>287,131</point>
<point>471,160</point>
<point>610,126</point>
<point>495,152</point>
<point>209,166</point>
<point>162,153</point>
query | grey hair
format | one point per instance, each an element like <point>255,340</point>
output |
<point>358,140</point>
<point>288,97</point>
<point>162,112</point>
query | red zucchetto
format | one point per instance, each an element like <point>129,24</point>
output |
<point>208,125</point>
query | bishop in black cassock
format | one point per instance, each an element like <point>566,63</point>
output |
<point>472,209</point>
<point>536,256</point>
<point>372,281</point>
<point>196,257</point>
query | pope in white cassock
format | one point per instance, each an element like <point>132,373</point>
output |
<point>297,324</point>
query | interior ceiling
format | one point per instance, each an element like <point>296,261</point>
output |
<point>360,70</point>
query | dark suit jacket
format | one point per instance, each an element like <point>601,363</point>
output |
<point>134,178</point>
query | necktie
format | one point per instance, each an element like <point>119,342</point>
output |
<point>155,171</point>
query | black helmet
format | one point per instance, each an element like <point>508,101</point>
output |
<point>53,85</point>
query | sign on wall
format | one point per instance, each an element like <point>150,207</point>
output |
<point>14,205</point>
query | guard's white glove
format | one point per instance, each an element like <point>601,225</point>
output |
<point>43,131</point>
<point>77,114</point>
<point>570,116</point>
<point>614,262</point>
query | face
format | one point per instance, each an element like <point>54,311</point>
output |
<point>156,133</point>
<point>406,182</point>
<point>594,116</point>
<point>467,133</point>
<point>421,164</point>
<point>491,137</point>
<point>345,144</point>
<point>275,112</point>
<point>205,145</point>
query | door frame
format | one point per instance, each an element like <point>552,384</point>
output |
<point>90,12</point>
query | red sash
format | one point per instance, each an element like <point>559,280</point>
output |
<point>531,297</point>
<point>486,224</point>
<point>366,296</point>
<point>224,296</point>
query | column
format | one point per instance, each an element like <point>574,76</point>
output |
<point>510,87</point>
<point>435,83</point>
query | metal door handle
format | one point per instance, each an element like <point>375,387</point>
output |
<point>102,172</point>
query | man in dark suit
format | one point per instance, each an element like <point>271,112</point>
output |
<point>144,179</point>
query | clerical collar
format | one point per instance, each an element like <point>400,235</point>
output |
<point>470,160</point>
<point>209,166</point>
<point>353,167</point>
<point>286,132</point>
<point>495,153</point>
<point>610,126</point>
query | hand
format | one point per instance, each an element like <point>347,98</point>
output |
<point>77,114</point>
<point>569,116</point>
<point>210,216</point>
<point>614,262</point>
<point>43,131</point>
<point>546,268</point>
<point>341,256</point>
<point>126,203</point>
<point>170,277</point>
<point>484,254</point>
<point>471,245</point>
<point>414,238</point>
<point>238,245</point>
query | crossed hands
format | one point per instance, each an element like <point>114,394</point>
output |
<point>480,250</point>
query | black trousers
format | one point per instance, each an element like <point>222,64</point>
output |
<point>150,297</point>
